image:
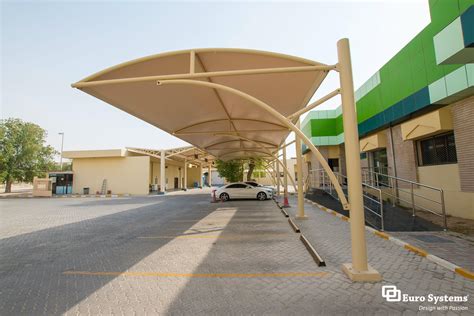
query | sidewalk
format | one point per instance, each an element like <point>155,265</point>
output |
<point>410,272</point>
<point>456,248</point>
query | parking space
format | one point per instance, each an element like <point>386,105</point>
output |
<point>176,253</point>
<point>181,254</point>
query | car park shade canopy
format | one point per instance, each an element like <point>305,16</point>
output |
<point>224,124</point>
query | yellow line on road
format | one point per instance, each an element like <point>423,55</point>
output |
<point>247,236</point>
<point>225,220</point>
<point>200,275</point>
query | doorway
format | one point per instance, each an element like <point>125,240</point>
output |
<point>176,182</point>
<point>334,164</point>
<point>380,166</point>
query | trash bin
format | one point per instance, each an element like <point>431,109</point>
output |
<point>85,190</point>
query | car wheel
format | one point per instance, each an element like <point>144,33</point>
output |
<point>261,196</point>
<point>224,197</point>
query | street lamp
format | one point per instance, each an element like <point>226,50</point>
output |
<point>62,144</point>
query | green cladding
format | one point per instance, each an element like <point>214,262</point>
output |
<point>403,81</point>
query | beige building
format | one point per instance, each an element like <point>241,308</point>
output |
<point>137,171</point>
<point>433,150</point>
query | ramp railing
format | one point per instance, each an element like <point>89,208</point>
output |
<point>373,198</point>
<point>407,193</point>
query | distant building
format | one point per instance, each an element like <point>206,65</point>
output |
<point>135,171</point>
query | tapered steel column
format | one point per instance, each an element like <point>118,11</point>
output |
<point>285,179</point>
<point>185,184</point>
<point>285,175</point>
<point>359,270</point>
<point>278,176</point>
<point>209,176</point>
<point>299,170</point>
<point>162,172</point>
<point>200,176</point>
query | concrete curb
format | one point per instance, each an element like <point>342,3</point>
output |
<point>317,258</point>
<point>440,261</point>
<point>293,225</point>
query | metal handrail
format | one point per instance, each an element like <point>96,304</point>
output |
<point>339,177</point>
<point>403,180</point>
<point>306,183</point>
<point>374,180</point>
<point>370,174</point>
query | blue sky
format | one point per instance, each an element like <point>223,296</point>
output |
<point>46,46</point>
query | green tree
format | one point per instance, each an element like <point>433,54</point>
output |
<point>231,170</point>
<point>23,152</point>
<point>254,163</point>
<point>67,166</point>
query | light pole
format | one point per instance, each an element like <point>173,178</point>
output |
<point>62,145</point>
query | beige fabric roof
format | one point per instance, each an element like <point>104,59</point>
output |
<point>200,115</point>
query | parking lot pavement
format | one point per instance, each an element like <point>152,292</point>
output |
<point>409,272</point>
<point>180,254</point>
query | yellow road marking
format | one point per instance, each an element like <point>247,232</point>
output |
<point>213,236</point>
<point>219,220</point>
<point>200,275</point>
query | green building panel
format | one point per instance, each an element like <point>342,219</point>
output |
<point>323,127</point>
<point>404,79</point>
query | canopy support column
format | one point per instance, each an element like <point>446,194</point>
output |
<point>162,172</point>
<point>200,176</point>
<point>359,269</point>
<point>185,180</point>
<point>299,171</point>
<point>209,176</point>
<point>277,176</point>
<point>285,180</point>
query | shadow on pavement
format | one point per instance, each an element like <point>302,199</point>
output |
<point>32,264</point>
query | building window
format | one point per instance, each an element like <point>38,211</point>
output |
<point>437,150</point>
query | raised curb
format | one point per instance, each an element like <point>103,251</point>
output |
<point>317,258</point>
<point>421,252</point>
<point>293,225</point>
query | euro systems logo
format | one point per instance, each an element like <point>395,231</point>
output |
<point>392,294</point>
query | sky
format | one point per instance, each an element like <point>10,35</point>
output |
<point>46,46</point>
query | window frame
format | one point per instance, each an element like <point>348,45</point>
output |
<point>433,138</point>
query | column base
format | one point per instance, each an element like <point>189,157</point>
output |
<point>301,217</point>
<point>371,275</point>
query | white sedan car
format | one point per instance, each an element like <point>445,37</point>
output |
<point>241,190</point>
<point>256,184</point>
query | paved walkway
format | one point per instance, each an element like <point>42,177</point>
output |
<point>180,254</point>
<point>412,274</point>
<point>448,245</point>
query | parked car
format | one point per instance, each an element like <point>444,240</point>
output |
<point>256,184</point>
<point>242,190</point>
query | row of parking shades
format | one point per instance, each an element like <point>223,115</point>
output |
<point>387,198</point>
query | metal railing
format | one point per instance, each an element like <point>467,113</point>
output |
<point>373,198</point>
<point>402,192</point>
